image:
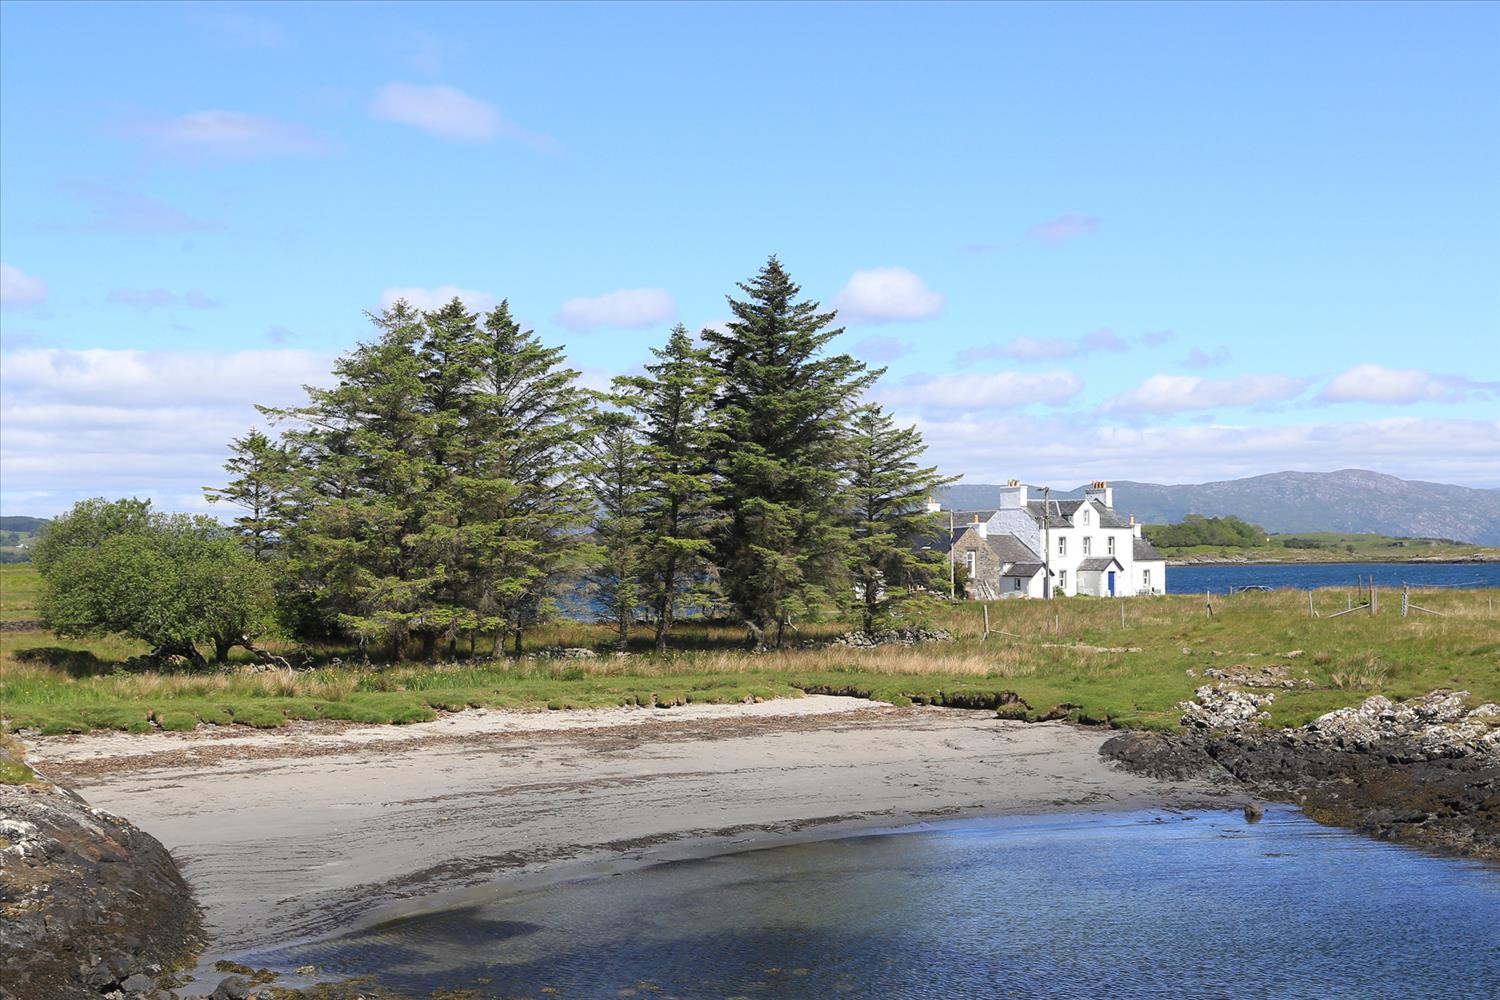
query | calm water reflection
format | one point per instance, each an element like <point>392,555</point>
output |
<point>1129,905</point>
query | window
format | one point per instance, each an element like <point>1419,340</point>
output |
<point>1146,578</point>
<point>1062,545</point>
<point>1085,515</point>
<point>1015,584</point>
<point>1088,545</point>
<point>969,558</point>
<point>1062,579</point>
<point>1111,544</point>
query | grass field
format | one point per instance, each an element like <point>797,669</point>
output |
<point>1075,658</point>
<point>1335,547</point>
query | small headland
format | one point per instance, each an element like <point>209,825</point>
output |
<point>1425,771</point>
<point>90,906</point>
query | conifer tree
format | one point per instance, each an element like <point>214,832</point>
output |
<point>887,489</point>
<point>616,471</point>
<point>361,490</point>
<point>671,402</point>
<point>517,500</point>
<point>779,417</point>
<point>262,471</point>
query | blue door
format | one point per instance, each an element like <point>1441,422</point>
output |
<point>1111,583</point>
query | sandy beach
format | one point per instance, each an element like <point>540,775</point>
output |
<point>291,833</point>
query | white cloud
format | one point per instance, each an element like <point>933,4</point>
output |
<point>1068,449</point>
<point>147,299</point>
<point>1370,383</point>
<point>969,393</point>
<point>442,111</point>
<point>1176,393</point>
<point>886,295</point>
<point>1064,228</point>
<point>229,134</point>
<point>19,289</point>
<point>85,423</point>
<point>629,308</point>
<point>428,299</point>
<point>449,113</point>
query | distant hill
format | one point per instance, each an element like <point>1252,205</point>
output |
<point>1351,500</point>
<point>17,533</point>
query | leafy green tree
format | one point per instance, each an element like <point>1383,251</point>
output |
<point>888,488</point>
<point>779,417</point>
<point>172,581</point>
<point>671,403</point>
<point>618,475</point>
<point>263,476</point>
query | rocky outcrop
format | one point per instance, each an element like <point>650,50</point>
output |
<point>1425,771</point>
<point>891,637</point>
<point>90,905</point>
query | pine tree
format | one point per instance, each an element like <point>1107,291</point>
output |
<point>360,493</point>
<point>515,479</point>
<point>888,489</point>
<point>616,471</point>
<point>779,418</point>
<point>671,402</point>
<point>263,480</point>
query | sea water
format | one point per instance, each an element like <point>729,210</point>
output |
<point>1158,904</point>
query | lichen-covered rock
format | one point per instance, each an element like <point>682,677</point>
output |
<point>565,653</point>
<point>891,637</point>
<point>1219,706</point>
<point>88,902</point>
<point>1438,724</point>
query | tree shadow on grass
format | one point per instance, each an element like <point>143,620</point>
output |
<point>77,663</point>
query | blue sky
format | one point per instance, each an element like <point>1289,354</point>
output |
<point>1172,243</point>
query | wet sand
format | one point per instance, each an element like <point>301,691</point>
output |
<point>292,833</point>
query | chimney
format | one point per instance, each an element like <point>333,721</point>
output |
<point>1013,495</point>
<point>1135,528</point>
<point>933,506</point>
<point>1101,491</point>
<point>983,527</point>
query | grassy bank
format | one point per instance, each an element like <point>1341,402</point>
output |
<point>1072,658</point>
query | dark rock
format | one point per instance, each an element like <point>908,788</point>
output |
<point>233,988</point>
<point>1390,788</point>
<point>138,983</point>
<point>1254,812</point>
<point>89,900</point>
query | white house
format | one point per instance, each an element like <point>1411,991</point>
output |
<point>1032,546</point>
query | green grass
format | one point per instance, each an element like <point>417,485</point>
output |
<point>1056,663</point>
<point>19,583</point>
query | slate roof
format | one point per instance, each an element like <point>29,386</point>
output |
<point>1146,552</point>
<point>1060,513</point>
<point>1099,564</point>
<point>1009,548</point>
<point>1025,570</point>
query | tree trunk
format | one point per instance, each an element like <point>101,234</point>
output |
<point>222,646</point>
<point>519,632</point>
<point>499,649</point>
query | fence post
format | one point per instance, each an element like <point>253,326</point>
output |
<point>986,623</point>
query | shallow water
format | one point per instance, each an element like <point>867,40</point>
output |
<point>1123,905</point>
<point>1219,578</point>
